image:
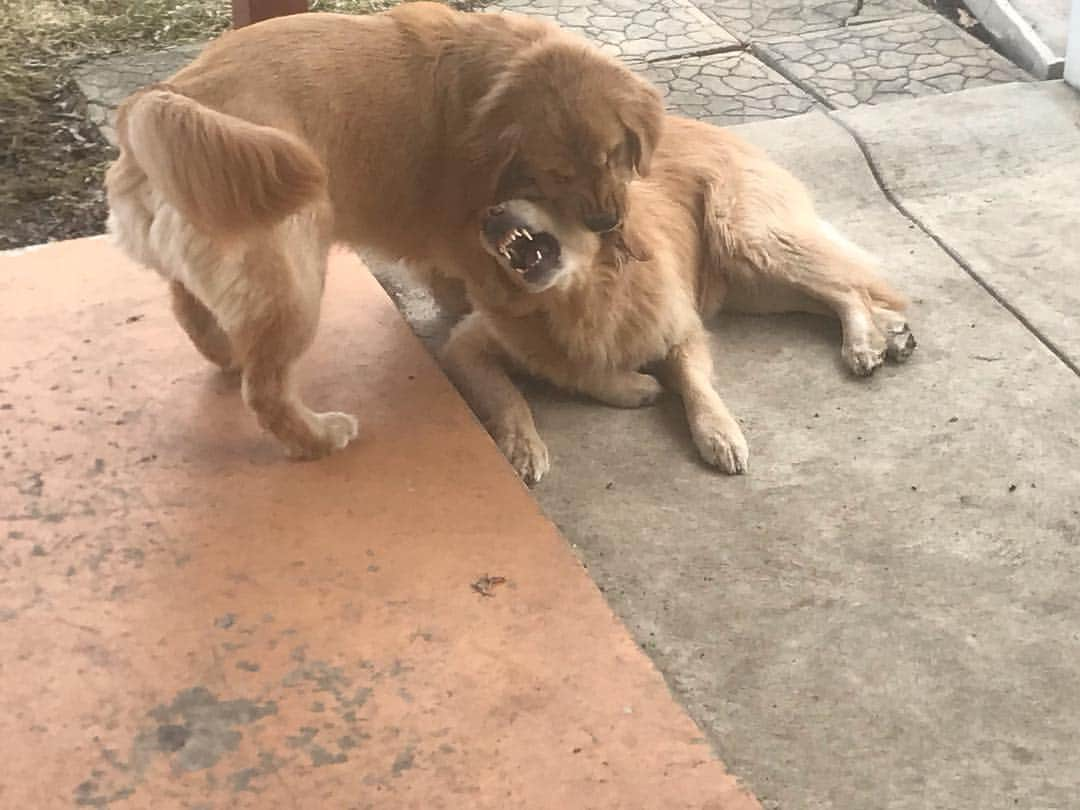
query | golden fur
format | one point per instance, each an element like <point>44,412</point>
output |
<point>721,227</point>
<point>388,132</point>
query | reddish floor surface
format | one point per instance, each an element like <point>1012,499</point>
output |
<point>187,620</point>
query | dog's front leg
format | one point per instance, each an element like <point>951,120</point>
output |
<point>476,364</point>
<point>717,435</point>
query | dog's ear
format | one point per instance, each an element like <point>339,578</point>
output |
<point>642,115</point>
<point>490,160</point>
<point>628,248</point>
<point>504,149</point>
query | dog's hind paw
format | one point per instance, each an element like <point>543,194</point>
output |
<point>863,360</point>
<point>900,344</point>
<point>626,390</point>
<point>338,428</point>
<point>331,431</point>
<point>527,454</point>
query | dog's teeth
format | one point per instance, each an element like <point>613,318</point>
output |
<point>526,234</point>
<point>504,253</point>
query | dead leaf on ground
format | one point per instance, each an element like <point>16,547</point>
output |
<point>486,584</point>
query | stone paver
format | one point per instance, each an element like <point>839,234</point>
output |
<point>726,89</point>
<point>753,20</point>
<point>633,30</point>
<point>914,56</point>
<point>107,82</point>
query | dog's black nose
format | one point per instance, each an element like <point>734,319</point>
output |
<point>496,211</point>
<point>602,223</point>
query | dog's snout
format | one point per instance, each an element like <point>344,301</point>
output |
<point>496,210</point>
<point>602,222</point>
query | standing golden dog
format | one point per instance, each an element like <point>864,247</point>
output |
<point>388,132</point>
<point>716,225</point>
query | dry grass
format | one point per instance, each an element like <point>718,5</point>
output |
<point>51,158</point>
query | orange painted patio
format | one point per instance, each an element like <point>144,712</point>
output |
<point>188,620</point>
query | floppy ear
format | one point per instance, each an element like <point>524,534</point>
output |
<point>504,150</point>
<point>642,115</point>
<point>490,157</point>
<point>627,248</point>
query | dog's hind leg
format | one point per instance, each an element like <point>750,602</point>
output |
<point>268,306</point>
<point>621,389</point>
<point>477,365</point>
<point>201,326</point>
<point>887,306</point>
<point>817,263</point>
<point>716,434</point>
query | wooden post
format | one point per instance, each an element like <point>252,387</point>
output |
<point>246,12</point>
<point>1072,47</point>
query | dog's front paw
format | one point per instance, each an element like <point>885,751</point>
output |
<point>721,443</point>
<point>526,453</point>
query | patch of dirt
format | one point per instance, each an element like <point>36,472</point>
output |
<point>52,166</point>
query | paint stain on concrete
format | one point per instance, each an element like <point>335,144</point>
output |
<point>320,757</point>
<point>404,761</point>
<point>242,780</point>
<point>304,738</point>
<point>194,732</point>
<point>210,723</point>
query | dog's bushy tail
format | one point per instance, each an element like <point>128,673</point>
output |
<point>223,174</point>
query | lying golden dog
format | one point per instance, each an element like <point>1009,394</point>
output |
<point>720,227</point>
<point>388,132</point>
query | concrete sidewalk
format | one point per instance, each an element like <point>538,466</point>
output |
<point>883,613</point>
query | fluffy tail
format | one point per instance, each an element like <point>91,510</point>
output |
<point>223,174</point>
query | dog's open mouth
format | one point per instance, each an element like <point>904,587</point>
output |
<point>527,252</point>
<point>531,254</point>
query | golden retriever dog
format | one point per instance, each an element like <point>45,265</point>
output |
<point>390,133</point>
<point>718,226</point>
